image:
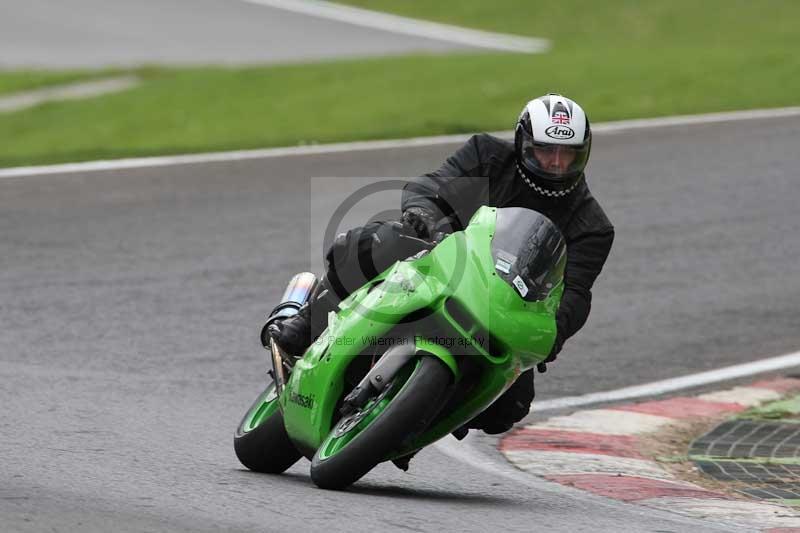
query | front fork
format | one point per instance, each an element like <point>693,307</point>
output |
<point>281,367</point>
<point>395,358</point>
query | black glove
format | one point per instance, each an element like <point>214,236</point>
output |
<point>418,221</point>
<point>557,345</point>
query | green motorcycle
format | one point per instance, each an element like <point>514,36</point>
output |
<point>414,354</point>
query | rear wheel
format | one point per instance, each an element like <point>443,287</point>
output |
<point>260,441</point>
<point>364,438</point>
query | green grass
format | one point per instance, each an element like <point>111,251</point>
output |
<point>786,410</point>
<point>616,24</point>
<point>620,59</point>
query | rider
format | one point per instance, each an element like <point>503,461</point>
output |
<point>541,170</point>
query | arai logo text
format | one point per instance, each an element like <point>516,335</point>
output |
<point>559,132</point>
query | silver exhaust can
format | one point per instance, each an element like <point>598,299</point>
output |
<point>297,294</point>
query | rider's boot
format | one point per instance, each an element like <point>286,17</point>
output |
<point>295,334</point>
<point>511,407</point>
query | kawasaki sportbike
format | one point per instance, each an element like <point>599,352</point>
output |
<point>414,354</point>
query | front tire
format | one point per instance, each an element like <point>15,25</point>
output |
<point>406,407</point>
<point>260,441</point>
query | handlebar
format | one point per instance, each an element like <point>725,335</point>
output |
<point>428,244</point>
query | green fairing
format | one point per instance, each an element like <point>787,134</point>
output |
<point>460,269</point>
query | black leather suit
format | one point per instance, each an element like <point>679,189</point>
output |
<point>484,172</point>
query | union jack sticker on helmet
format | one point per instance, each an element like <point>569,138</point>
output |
<point>560,117</point>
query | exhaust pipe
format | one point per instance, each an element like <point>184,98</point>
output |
<point>297,294</point>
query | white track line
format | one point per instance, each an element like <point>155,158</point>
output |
<point>688,120</point>
<point>243,155</point>
<point>72,91</point>
<point>409,26</point>
<point>670,385</point>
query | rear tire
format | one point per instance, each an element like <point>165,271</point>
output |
<point>339,463</point>
<point>260,441</point>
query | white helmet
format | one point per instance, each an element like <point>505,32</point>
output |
<point>552,140</point>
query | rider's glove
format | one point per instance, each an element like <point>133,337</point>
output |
<point>557,345</point>
<point>419,222</point>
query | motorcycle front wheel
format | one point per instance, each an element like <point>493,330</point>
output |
<point>260,441</point>
<point>364,438</point>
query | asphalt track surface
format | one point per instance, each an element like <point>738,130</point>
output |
<point>131,302</point>
<point>104,33</point>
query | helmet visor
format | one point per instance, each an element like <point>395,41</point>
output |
<point>554,161</point>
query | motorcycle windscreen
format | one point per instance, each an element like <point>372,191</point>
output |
<point>529,252</point>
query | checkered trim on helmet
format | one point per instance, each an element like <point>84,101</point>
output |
<point>543,191</point>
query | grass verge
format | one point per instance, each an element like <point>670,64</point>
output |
<point>786,410</point>
<point>622,59</point>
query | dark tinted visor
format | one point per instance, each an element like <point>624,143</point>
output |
<point>555,161</point>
